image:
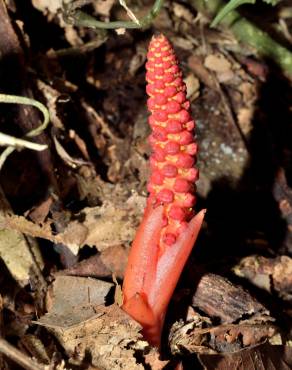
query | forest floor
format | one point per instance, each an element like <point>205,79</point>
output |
<point>69,213</point>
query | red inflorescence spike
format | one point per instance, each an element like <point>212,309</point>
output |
<point>172,140</point>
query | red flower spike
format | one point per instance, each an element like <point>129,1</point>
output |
<point>169,228</point>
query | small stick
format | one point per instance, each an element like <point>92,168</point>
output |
<point>14,354</point>
<point>81,19</point>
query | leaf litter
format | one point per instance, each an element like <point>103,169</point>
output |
<point>64,315</point>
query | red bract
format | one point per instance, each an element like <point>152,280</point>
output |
<point>169,228</point>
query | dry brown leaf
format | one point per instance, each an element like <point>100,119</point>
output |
<point>110,261</point>
<point>110,225</point>
<point>103,7</point>
<point>262,357</point>
<point>194,337</point>
<point>105,226</point>
<point>270,274</point>
<point>152,360</point>
<point>190,336</point>
<point>21,258</point>
<point>217,63</point>
<point>193,86</point>
<point>47,6</point>
<point>244,117</point>
<point>70,161</point>
<point>72,300</point>
<point>39,213</point>
<point>182,12</point>
<point>196,65</point>
<point>109,337</point>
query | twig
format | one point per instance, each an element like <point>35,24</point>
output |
<point>129,12</point>
<point>20,143</point>
<point>81,19</point>
<point>14,354</point>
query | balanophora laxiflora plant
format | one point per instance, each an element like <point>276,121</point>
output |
<point>169,227</point>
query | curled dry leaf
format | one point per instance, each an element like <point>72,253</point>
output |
<point>66,157</point>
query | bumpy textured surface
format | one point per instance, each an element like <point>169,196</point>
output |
<point>173,174</point>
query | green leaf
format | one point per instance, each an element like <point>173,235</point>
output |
<point>233,4</point>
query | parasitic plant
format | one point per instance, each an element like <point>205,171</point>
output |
<point>169,227</point>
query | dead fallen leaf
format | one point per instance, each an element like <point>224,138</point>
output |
<point>70,161</point>
<point>46,6</point>
<point>152,360</point>
<point>20,257</point>
<point>182,12</point>
<point>103,7</point>
<point>261,357</point>
<point>244,117</point>
<point>270,274</point>
<point>110,337</point>
<point>105,226</point>
<point>204,75</point>
<point>217,63</point>
<point>193,86</point>
<point>110,261</point>
<point>39,213</point>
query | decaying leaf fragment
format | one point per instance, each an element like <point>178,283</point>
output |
<point>72,300</point>
<point>233,320</point>
<point>85,327</point>
<point>261,357</point>
<point>20,257</point>
<point>270,274</point>
<point>108,225</point>
<point>110,338</point>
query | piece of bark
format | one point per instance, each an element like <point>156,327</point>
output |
<point>219,298</point>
